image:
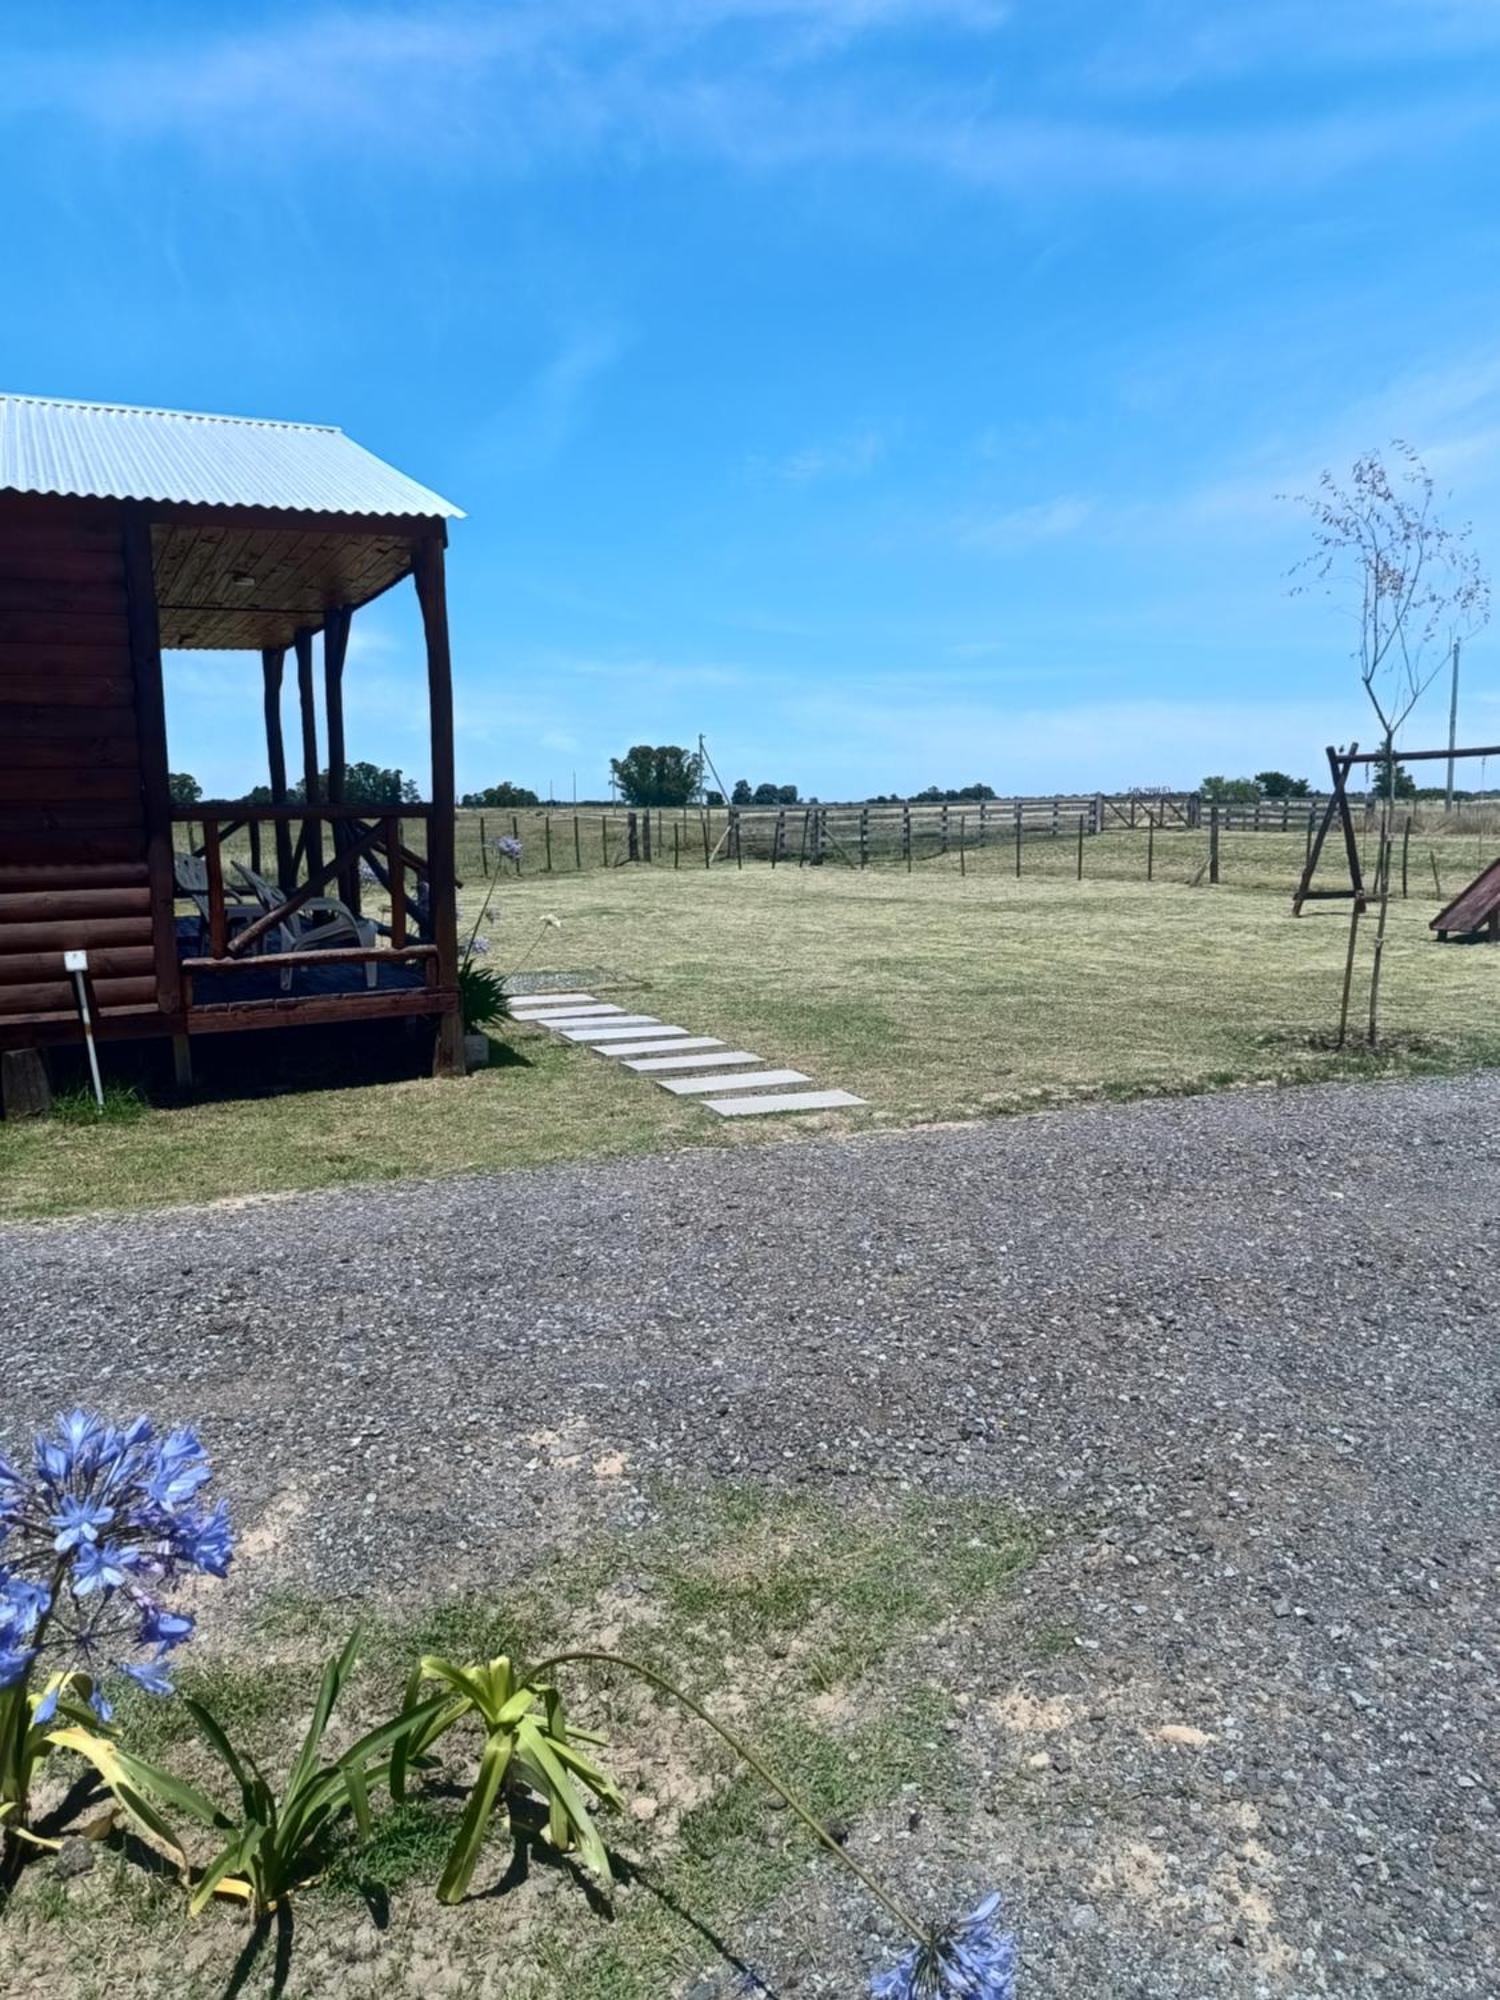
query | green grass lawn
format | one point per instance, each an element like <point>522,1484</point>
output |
<point>935,995</point>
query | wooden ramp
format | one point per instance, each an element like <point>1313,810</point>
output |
<point>1474,908</point>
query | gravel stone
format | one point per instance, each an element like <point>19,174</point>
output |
<point>1238,1351</point>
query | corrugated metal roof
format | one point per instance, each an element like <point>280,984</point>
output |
<point>111,451</point>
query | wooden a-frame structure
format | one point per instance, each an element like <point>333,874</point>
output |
<point>1340,764</point>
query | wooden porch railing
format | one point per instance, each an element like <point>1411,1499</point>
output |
<point>360,835</point>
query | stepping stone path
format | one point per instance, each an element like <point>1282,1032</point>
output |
<point>668,1055</point>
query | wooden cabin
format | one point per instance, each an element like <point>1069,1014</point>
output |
<point>124,532</point>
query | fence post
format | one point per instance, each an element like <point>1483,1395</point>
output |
<point>1213,843</point>
<point>962,869</point>
<point>818,830</point>
<point>1405,846</point>
<point>945,829</point>
<point>981,822</point>
<point>1150,846</point>
<point>577,846</point>
<point>1018,840</point>
<point>906,834</point>
<point>604,838</point>
<point>1098,826</point>
<point>707,857</point>
<point>864,836</point>
<point>547,837</point>
<point>1054,818</point>
<point>646,835</point>
<point>484,849</point>
<point>632,837</point>
<point>1080,846</point>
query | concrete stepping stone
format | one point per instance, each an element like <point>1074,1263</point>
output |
<point>755,1079</point>
<point>621,1024</point>
<point>550,999</point>
<point>791,1100</point>
<point>672,1038</point>
<point>551,1015</point>
<point>707,1060</point>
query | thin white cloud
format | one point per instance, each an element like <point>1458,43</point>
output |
<point>1017,529</point>
<point>851,457</point>
<point>755,84</point>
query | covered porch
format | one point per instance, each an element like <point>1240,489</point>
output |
<point>134,532</point>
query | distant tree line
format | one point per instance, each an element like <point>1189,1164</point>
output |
<point>364,785</point>
<point>501,795</point>
<point>746,794</point>
<point>1264,785</point>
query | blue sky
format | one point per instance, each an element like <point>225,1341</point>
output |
<point>897,391</point>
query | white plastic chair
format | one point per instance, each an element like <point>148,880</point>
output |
<point>190,872</point>
<point>321,923</point>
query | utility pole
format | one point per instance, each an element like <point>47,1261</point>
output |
<point>1452,730</point>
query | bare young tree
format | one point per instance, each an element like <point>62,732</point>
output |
<point>1412,588</point>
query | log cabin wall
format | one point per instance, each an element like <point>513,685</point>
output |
<point>73,849</point>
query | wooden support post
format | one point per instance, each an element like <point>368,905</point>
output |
<point>906,834</point>
<point>335,646</point>
<point>646,836</point>
<point>255,856</point>
<point>182,1061</point>
<point>1080,847</point>
<point>1150,846</point>
<point>676,844</point>
<point>708,860</point>
<point>819,828</point>
<point>397,881</point>
<point>982,813</point>
<point>427,568</point>
<point>515,834</point>
<point>312,829</point>
<point>1098,812</point>
<point>577,846</point>
<point>1054,818</point>
<point>962,865</point>
<point>632,837</point>
<point>604,839</point>
<point>739,850</point>
<point>218,924</point>
<point>864,835</point>
<point>547,837</point>
<point>1018,840</point>
<point>777,834</point>
<point>802,850</point>
<point>484,847</point>
<point>1405,857</point>
<point>24,1089</point>
<point>943,829</point>
<point>1213,843</point>
<point>151,736</point>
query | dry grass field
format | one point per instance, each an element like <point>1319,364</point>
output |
<point>936,995</point>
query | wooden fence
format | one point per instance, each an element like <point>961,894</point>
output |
<point>563,841</point>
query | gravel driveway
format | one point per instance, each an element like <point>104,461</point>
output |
<point>1243,1346</point>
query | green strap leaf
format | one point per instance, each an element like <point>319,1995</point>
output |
<point>463,1856</point>
<point>335,1674</point>
<point>563,1798</point>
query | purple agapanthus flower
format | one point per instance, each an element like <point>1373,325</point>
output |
<point>508,847</point>
<point>106,1520</point>
<point>971,1959</point>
